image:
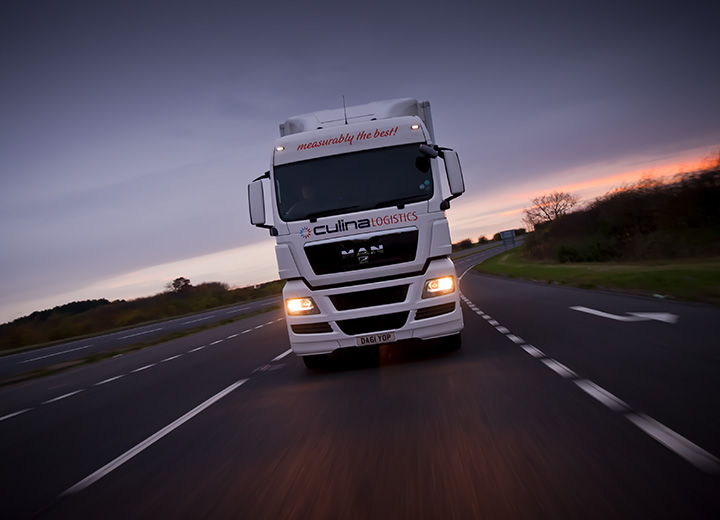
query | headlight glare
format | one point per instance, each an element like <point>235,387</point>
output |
<point>439,286</point>
<point>301,306</point>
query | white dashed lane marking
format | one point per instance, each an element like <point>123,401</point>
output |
<point>110,380</point>
<point>145,367</point>
<point>559,368</point>
<point>64,396</point>
<point>15,414</point>
<point>533,351</point>
<point>672,440</point>
<point>602,395</point>
<point>55,354</point>
<point>140,333</point>
<point>142,368</point>
<point>278,358</point>
<point>197,320</point>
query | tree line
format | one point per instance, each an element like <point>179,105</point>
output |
<point>651,219</point>
<point>97,316</point>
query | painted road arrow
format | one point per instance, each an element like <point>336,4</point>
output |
<point>633,316</point>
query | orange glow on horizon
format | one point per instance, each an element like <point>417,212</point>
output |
<point>503,210</point>
<point>611,182</point>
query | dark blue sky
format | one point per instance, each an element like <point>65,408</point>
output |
<point>130,129</point>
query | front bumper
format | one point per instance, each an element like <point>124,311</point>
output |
<point>396,305</point>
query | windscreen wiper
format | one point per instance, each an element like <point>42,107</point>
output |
<point>401,201</point>
<point>327,212</point>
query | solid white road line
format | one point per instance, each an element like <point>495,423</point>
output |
<point>94,477</point>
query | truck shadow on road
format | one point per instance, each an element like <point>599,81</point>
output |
<point>412,351</point>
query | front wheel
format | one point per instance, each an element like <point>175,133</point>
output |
<point>453,342</point>
<point>316,362</point>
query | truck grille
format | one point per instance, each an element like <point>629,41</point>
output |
<point>354,254</point>
<point>371,298</point>
<point>373,323</point>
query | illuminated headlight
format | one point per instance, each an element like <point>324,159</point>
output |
<point>415,127</point>
<point>279,148</point>
<point>439,286</point>
<point>301,306</point>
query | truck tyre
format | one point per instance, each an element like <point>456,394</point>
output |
<point>316,362</point>
<point>454,342</point>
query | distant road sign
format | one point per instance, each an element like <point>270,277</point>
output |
<point>508,238</point>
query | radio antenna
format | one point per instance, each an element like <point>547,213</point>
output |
<point>344,109</point>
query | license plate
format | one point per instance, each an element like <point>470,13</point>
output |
<point>376,339</point>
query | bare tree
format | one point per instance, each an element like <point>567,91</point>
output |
<point>178,284</point>
<point>547,208</point>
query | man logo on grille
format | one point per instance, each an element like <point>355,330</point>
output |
<point>362,255</point>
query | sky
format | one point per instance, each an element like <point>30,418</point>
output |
<point>129,130</point>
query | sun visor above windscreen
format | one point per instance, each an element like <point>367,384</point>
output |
<point>349,138</point>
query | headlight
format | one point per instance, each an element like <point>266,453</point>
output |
<point>439,286</point>
<point>300,306</point>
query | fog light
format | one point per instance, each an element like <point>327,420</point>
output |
<point>300,306</point>
<point>439,286</point>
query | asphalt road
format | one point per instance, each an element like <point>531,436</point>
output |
<point>548,411</point>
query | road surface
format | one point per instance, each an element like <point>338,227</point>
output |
<point>546,411</point>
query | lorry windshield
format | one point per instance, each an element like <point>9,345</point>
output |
<point>378,178</point>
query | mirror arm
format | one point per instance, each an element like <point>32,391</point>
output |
<point>445,204</point>
<point>273,230</point>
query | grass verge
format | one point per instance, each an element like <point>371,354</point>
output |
<point>691,280</point>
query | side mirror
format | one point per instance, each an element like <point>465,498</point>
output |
<point>454,173</point>
<point>256,203</point>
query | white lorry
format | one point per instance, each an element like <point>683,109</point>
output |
<point>356,199</point>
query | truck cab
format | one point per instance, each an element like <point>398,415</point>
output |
<point>356,201</point>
